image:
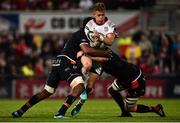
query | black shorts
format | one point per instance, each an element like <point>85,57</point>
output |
<point>134,89</point>
<point>97,68</point>
<point>139,91</point>
<point>62,69</point>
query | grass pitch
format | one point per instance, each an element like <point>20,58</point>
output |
<point>93,111</point>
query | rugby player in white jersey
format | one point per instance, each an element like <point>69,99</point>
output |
<point>100,31</point>
<point>128,76</point>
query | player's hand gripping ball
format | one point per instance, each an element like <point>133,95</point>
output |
<point>95,41</point>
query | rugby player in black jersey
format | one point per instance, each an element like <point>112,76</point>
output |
<point>128,76</point>
<point>65,67</point>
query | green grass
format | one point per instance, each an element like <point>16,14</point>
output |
<point>93,111</point>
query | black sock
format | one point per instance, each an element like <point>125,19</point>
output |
<point>70,99</point>
<point>118,98</point>
<point>144,109</point>
<point>88,90</point>
<point>34,100</point>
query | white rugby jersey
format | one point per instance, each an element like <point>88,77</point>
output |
<point>106,28</point>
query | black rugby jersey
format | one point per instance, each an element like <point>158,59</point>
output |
<point>121,69</point>
<point>72,46</point>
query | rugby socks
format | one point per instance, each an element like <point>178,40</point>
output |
<point>33,100</point>
<point>88,91</point>
<point>70,99</point>
<point>81,101</point>
<point>118,98</point>
<point>144,109</point>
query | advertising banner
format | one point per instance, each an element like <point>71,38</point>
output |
<point>156,88</point>
<point>8,22</point>
<point>61,22</point>
<point>25,88</point>
<point>5,88</point>
<point>173,88</point>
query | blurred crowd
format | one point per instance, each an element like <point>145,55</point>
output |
<point>30,54</point>
<point>155,51</point>
<point>77,5</point>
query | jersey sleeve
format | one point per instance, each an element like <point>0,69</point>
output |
<point>83,39</point>
<point>88,27</point>
<point>111,26</point>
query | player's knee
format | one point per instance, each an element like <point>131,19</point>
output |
<point>113,87</point>
<point>111,90</point>
<point>132,108</point>
<point>77,81</point>
<point>131,104</point>
<point>49,89</point>
<point>39,96</point>
<point>77,90</point>
<point>87,62</point>
<point>87,66</point>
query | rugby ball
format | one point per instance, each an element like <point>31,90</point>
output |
<point>91,37</point>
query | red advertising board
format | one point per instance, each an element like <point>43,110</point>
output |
<point>155,88</point>
<point>25,88</point>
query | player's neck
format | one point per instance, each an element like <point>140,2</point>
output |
<point>101,22</point>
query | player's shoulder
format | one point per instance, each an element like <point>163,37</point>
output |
<point>90,22</point>
<point>110,23</point>
<point>86,20</point>
<point>80,31</point>
<point>78,34</point>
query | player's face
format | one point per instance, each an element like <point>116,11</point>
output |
<point>99,17</point>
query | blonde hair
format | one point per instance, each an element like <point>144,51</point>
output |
<point>99,7</point>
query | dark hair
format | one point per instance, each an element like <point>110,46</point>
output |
<point>87,19</point>
<point>100,6</point>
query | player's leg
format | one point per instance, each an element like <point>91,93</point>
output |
<point>140,108</point>
<point>32,101</point>
<point>87,63</point>
<point>48,90</point>
<point>90,84</point>
<point>114,90</point>
<point>77,86</point>
<point>137,90</point>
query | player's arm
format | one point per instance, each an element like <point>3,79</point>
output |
<point>94,52</point>
<point>100,59</point>
<point>108,39</point>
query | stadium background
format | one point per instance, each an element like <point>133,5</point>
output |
<point>34,31</point>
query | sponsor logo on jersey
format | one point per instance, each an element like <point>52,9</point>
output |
<point>56,62</point>
<point>106,29</point>
<point>98,70</point>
